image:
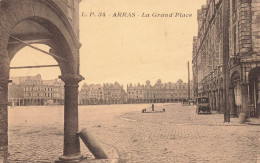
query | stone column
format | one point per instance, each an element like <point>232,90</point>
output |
<point>233,112</point>
<point>71,149</point>
<point>221,101</point>
<point>4,76</point>
<point>244,92</point>
<point>213,100</point>
<point>258,97</point>
<point>3,113</point>
<point>217,100</point>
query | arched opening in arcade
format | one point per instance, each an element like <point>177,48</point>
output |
<point>31,80</point>
<point>254,92</point>
<point>235,94</point>
<point>23,24</point>
<point>31,89</point>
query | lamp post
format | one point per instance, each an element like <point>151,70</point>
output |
<point>188,81</point>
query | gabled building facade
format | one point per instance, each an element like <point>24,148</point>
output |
<point>32,90</point>
<point>92,94</point>
<point>114,94</point>
<point>159,92</point>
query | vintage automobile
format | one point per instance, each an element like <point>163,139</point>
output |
<point>203,105</point>
<point>184,101</point>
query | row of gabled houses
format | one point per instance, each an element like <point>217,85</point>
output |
<point>94,94</point>
<point>33,90</point>
<point>115,93</point>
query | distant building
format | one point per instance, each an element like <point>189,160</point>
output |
<point>114,94</point>
<point>94,94</point>
<point>135,94</point>
<point>244,56</point>
<point>91,94</point>
<point>32,90</point>
<point>159,93</point>
<point>208,54</point>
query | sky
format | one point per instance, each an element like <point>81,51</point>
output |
<point>127,49</point>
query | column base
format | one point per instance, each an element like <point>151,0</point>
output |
<point>4,154</point>
<point>70,159</point>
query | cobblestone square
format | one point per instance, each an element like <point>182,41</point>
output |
<point>177,135</point>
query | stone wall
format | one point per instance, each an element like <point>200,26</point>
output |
<point>71,10</point>
<point>256,26</point>
<point>207,47</point>
<point>244,27</point>
<point>69,7</point>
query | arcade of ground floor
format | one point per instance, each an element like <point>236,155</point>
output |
<point>35,102</point>
<point>129,101</point>
<point>243,90</point>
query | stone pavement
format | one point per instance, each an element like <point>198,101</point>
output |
<point>178,135</point>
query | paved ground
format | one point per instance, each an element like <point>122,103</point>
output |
<point>178,135</point>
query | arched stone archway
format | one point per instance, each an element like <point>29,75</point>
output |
<point>46,21</point>
<point>254,92</point>
<point>235,97</point>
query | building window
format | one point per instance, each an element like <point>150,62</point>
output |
<point>235,39</point>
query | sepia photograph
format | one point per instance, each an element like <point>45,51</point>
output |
<point>130,81</point>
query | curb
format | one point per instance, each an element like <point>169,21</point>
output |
<point>100,161</point>
<point>252,124</point>
<point>253,121</point>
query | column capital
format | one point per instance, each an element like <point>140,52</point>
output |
<point>71,79</point>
